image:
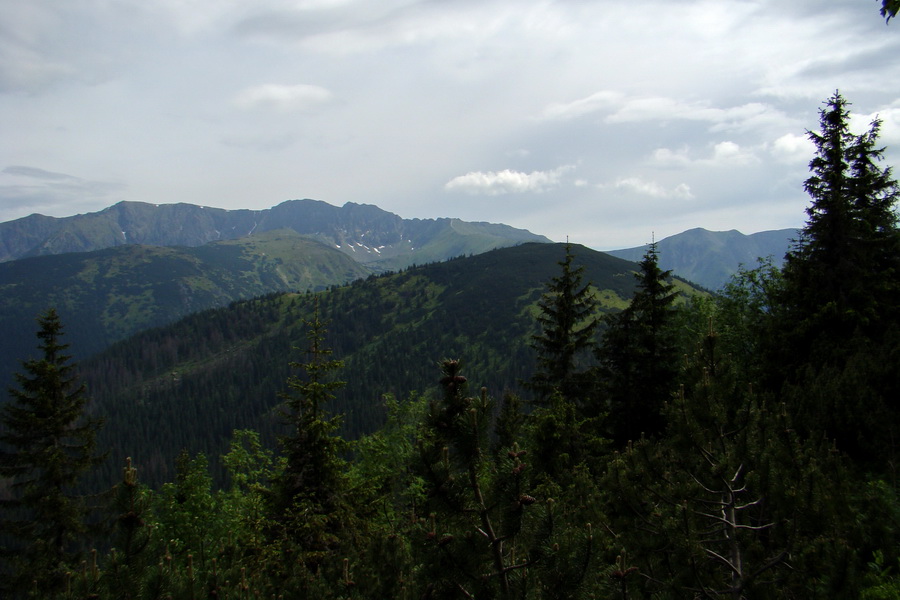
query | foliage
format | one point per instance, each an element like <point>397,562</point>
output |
<point>836,314</point>
<point>108,295</point>
<point>129,559</point>
<point>568,322</point>
<point>48,445</point>
<point>308,497</point>
<point>484,532</point>
<point>732,502</point>
<point>767,468</point>
<point>841,276</point>
<point>225,367</point>
<point>638,357</point>
<point>889,9</point>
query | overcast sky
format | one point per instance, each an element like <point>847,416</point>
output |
<point>607,121</point>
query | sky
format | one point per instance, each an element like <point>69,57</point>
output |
<point>605,122</point>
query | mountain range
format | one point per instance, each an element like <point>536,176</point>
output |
<point>135,266</point>
<point>371,236</point>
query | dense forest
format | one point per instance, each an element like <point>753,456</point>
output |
<point>225,368</point>
<point>736,445</point>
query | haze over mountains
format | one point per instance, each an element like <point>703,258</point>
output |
<point>371,236</point>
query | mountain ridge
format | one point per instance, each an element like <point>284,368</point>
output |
<point>710,258</point>
<point>372,236</point>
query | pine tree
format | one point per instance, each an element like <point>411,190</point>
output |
<point>639,355</point>
<point>48,445</point>
<point>568,322</point>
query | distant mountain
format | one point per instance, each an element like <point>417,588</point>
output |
<point>188,385</point>
<point>710,258</point>
<point>107,295</point>
<point>368,234</point>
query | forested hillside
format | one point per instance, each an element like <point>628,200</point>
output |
<point>224,368</point>
<point>540,422</point>
<point>107,295</point>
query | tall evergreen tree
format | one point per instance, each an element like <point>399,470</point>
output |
<point>568,322</point>
<point>48,444</point>
<point>843,272</point>
<point>309,504</point>
<point>639,355</point>
<point>837,317</point>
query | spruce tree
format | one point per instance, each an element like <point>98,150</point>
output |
<point>568,322</point>
<point>731,502</point>
<point>837,318</point>
<point>639,355</point>
<point>129,560</point>
<point>308,496</point>
<point>48,445</point>
<point>843,274</point>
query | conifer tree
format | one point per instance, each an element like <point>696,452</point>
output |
<point>731,502</point>
<point>129,559</point>
<point>48,445</point>
<point>639,355</point>
<point>837,317</point>
<point>389,493</point>
<point>478,506</point>
<point>843,274</point>
<point>308,496</point>
<point>568,322</point>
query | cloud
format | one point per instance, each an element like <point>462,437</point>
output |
<point>654,189</point>
<point>660,108</point>
<point>261,141</point>
<point>890,123</point>
<point>495,183</point>
<point>730,153</point>
<point>35,173</point>
<point>285,98</point>
<point>577,108</point>
<point>45,44</point>
<point>347,28</point>
<point>167,96</point>
<point>623,109</point>
<point>725,153</point>
<point>792,148</point>
<point>35,189</point>
<point>671,158</point>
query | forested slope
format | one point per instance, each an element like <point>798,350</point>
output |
<point>190,384</point>
<point>107,295</point>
